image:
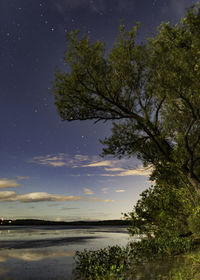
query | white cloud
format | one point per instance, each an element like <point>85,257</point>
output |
<point>141,171</point>
<point>6,183</point>
<point>88,191</point>
<point>100,163</point>
<point>120,191</point>
<point>99,199</point>
<point>42,196</point>
<point>36,197</point>
<point>113,167</point>
<point>49,160</point>
<point>60,160</point>
<point>81,157</point>
<point>7,196</point>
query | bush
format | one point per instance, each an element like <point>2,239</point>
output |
<point>194,221</point>
<point>110,263</point>
<point>113,263</point>
<point>151,247</point>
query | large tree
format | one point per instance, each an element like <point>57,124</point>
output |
<point>150,92</point>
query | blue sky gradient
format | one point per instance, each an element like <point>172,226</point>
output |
<point>50,169</point>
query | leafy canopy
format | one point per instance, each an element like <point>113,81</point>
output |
<point>151,93</point>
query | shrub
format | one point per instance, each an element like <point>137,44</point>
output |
<point>194,221</point>
<point>113,263</point>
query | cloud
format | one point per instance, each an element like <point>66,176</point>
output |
<point>120,191</point>
<point>6,183</point>
<point>22,177</point>
<point>35,197</point>
<point>116,168</point>
<point>100,163</point>
<point>99,199</point>
<point>60,160</point>
<point>113,167</point>
<point>141,171</point>
<point>49,160</point>
<point>7,196</point>
<point>105,190</point>
<point>42,196</point>
<point>88,191</point>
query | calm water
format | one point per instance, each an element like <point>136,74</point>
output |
<point>46,252</point>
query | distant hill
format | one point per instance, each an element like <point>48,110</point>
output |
<point>35,222</point>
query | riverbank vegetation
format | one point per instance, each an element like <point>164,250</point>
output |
<point>150,92</point>
<point>115,262</point>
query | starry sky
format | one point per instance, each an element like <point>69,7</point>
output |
<point>50,169</point>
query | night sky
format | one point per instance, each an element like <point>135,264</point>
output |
<point>51,169</point>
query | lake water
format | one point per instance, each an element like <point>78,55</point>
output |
<point>46,252</point>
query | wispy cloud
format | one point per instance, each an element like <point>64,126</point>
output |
<point>109,167</point>
<point>105,190</point>
<point>120,191</point>
<point>36,197</point>
<point>60,160</point>
<point>42,196</point>
<point>99,199</point>
<point>50,160</point>
<point>22,177</point>
<point>116,168</point>
<point>7,183</point>
<point>100,163</point>
<point>140,171</point>
<point>88,191</point>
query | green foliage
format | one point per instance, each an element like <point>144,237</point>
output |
<point>150,92</point>
<point>122,263</point>
<point>187,269</point>
<point>161,211</point>
<point>155,247</point>
<point>110,263</point>
<point>194,221</point>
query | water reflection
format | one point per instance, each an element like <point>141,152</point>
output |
<point>34,255</point>
<point>47,252</point>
